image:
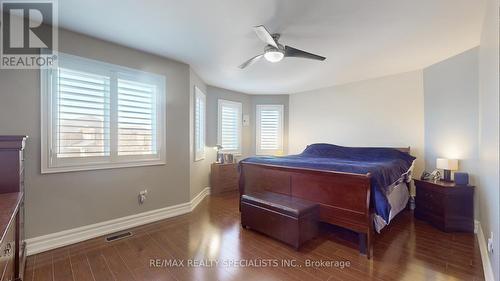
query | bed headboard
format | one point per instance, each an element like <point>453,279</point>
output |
<point>403,149</point>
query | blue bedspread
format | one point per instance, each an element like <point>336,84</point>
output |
<point>386,166</point>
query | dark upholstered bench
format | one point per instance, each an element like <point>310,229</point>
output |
<point>285,218</point>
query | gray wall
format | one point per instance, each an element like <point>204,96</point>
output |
<point>60,201</point>
<point>488,190</point>
<point>213,95</point>
<point>56,202</point>
<point>249,103</point>
<point>386,111</point>
<point>451,111</point>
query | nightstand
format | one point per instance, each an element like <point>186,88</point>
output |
<point>223,177</point>
<point>445,205</point>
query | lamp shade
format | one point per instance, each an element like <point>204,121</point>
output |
<point>447,164</point>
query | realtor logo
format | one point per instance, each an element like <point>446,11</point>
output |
<point>28,35</point>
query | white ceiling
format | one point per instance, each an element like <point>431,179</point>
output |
<point>361,38</point>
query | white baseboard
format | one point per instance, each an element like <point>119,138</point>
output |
<point>198,198</point>
<point>485,258</point>
<point>66,237</point>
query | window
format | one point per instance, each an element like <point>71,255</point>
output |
<point>97,115</point>
<point>229,126</point>
<point>199,124</point>
<point>269,129</point>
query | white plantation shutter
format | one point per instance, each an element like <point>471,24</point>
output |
<point>229,126</point>
<point>136,118</point>
<point>82,116</point>
<point>97,115</point>
<point>269,129</point>
<point>199,124</point>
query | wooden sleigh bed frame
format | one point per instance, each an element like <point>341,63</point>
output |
<point>344,198</point>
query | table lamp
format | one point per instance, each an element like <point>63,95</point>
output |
<point>447,165</point>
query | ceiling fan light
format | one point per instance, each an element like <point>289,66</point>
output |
<point>274,56</point>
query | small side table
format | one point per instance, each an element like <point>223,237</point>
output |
<point>445,205</point>
<point>223,177</point>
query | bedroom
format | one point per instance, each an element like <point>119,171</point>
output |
<point>323,150</point>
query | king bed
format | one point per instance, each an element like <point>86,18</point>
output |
<point>358,188</point>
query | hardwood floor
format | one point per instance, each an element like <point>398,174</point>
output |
<point>407,250</point>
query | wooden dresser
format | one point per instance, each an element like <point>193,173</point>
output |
<point>445,205</point>
<point>223,177</point>
<point>9,218</point>
<point>12,241</point>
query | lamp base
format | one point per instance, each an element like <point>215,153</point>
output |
<point>447,176</point>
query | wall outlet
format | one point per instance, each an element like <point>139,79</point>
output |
<point>490,243</point>
<point>142,196</point>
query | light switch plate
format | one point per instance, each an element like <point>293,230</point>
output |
<point>246,120</point>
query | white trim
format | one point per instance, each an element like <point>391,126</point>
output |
<point>198,198</point>
<point>239,107</point>
<point>51,164</point>
<point>103,166</point>
<point>485,258</point>
<point>199,95</point>
<point>66,237</point>
<point>258,109</point>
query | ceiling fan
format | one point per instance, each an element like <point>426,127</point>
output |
<point>274,51</point>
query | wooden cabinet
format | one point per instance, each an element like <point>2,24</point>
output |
<point>445,205</point>
<point>223,177</point>
<point>12,245</point>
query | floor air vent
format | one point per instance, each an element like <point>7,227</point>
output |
<point>118,236</point>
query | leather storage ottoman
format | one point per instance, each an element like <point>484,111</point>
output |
<point>285,218</point>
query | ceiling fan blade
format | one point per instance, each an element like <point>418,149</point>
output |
<point>264,35</point>
<point>292,52</point>
<point>250,61</point>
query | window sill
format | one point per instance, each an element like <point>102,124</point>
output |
<point>199,159</point>
<point>65,169</point>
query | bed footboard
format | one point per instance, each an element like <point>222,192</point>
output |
<point>344,198</point>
